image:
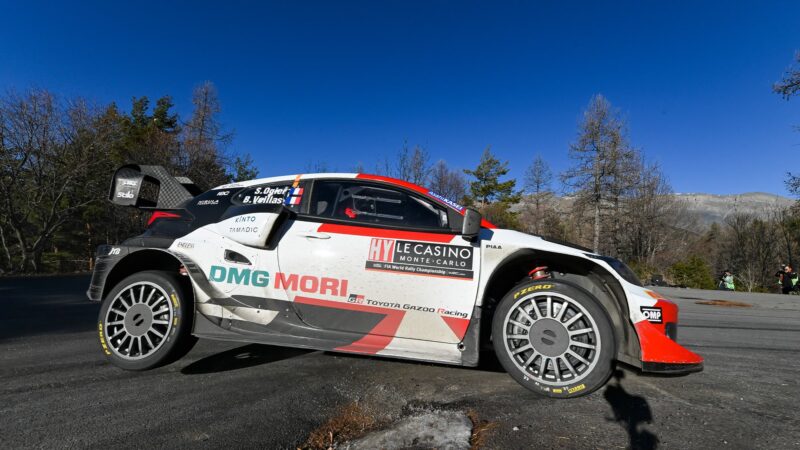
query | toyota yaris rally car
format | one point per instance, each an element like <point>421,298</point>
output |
<point>372,265</point>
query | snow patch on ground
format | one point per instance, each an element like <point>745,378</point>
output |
<point>449,430</point>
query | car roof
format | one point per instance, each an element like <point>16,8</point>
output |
<point>362,176</point>
<point>303,176</point>
<point>313,176</point>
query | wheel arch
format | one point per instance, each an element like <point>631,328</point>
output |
<point>145,259</point>
<point>579,271</point>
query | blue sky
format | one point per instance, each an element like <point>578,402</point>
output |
<point>344,82</point>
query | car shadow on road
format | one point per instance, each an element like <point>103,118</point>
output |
<point>631,412</point>
<point>241,358</point>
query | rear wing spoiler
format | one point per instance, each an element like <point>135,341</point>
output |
<point>150,187</point>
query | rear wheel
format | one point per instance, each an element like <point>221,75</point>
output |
<point>146,321</point>
<point>554,338</point>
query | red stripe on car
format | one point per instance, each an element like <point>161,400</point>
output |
<point>390,180</point>
<point>378,337</point>
<point>457,324</point>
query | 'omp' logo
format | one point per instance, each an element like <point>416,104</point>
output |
<point>241,276</point>
<point>652,314</point>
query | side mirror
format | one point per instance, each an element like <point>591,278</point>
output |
<point>472,224</point>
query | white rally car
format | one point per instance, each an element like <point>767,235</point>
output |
<point>367,264</point>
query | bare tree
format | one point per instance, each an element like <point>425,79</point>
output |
<point>204,140</point>
<point>317,167</point>
<point>752,249</point>
<point>601,174</point>
<point>790,84</point>
<point>446,182</point>
<point>413,165</point>
<point>654,222</point>
<point>538,187</point>
<point>788,224</point>
<point>788,87</point>
<point>384,167</point>
<point>47,159</point>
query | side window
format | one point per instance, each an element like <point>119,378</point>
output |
<point>355,202</point>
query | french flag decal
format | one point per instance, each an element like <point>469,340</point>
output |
<point>294,197</point>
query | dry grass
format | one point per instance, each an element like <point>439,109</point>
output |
<point>480,430</point>
<point>350,422</point>
<point>726,303</point>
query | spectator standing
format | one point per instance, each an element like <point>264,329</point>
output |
<point>726,282</point>
<point>787,279</point>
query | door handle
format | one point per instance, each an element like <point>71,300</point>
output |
<point>314,235</point>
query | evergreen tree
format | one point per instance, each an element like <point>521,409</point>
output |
<point>493,197</point>
<point>243,169</point>
<point>693,273</point>
<point>487,187</point>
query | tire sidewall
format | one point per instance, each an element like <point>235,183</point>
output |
<point>605,362</point>
<point>181,326</point>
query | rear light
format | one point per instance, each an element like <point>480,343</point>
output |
<point>162,215</point>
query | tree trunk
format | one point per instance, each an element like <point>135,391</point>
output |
<point>6,251</point>
<point>596,237</point>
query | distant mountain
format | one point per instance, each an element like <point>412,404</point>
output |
<point>710,208</point>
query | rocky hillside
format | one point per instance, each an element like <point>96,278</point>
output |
<point>710,208</point>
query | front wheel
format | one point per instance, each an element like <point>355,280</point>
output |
<point>554,338</point>
<point>146,321</point>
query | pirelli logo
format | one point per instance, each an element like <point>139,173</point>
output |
<point>420,258</point>
<point>529,289</point>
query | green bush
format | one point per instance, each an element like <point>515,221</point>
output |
<point>643,270</point>
<point>692,272</point>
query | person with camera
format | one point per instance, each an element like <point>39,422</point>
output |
<point>787,278</point>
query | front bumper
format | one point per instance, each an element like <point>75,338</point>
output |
<point>660,352</point>
<point>671,369</point>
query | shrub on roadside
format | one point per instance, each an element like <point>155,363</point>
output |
<point>692,272</point>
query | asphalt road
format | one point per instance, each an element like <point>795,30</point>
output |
<point>57,390</point>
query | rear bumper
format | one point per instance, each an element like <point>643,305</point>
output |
<point>660,352</point>
<point>106,258</point>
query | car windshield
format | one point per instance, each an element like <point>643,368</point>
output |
<point>622,269</point>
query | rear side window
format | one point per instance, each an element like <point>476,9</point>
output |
<point>354,202</point>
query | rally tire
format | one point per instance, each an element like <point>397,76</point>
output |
<point>554,338</point>
<point>145,321</point>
